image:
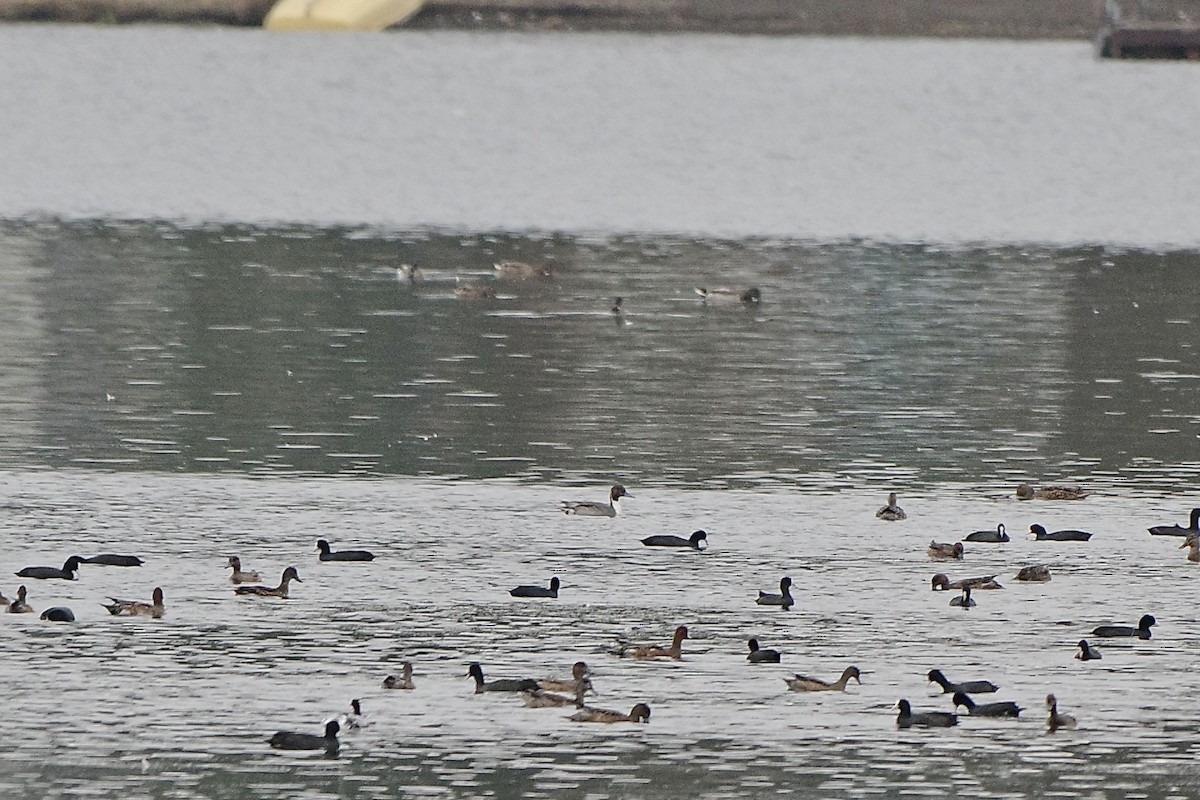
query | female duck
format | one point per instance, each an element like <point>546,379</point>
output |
<point>891,512</point>
<point>1192,529</point>
<point>470,291</point>
<point>1142,631</point>
<point>1038,573</point>
<point>969,687</point>
<point>342,555</point>
<point>998,536</point>
<point>1057,720</point>
<point>519,270</point>
<point>803,683</point>
<point>784,598</point>
<point>288,740</point>
<point>586,508</point>
<point>761,655</point>
<point>926,719</point>
<point>133,608</point>
<point>697,541</point>
<point>239,575</point>
<point>640,713</point>
<point>944,550</point>
<point>67,573</point>
<point>675,651</point>
<point>941,583</point>
<point>537,591</point>
<point>405,680</point>
<point>539,698</point>
<point>289,575</point>
<point>1192,542</point>
<point>19,606</point>
<point>502,685</point>
<point>579,673</point>
<point>1040,534</point>
<point>1027,492</point>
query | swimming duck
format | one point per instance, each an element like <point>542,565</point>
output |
<point>926,719</point>
<point>579,672</point>
<point>19,606</point>
<point>675,651</point>
<point>1039,533</point>
<point>409,274</point>
<point>1142,631</point>
<point>941,583</point>
<point>964,600</point>
<point>240,576</point>
<point>540,698</point>
<point>1057,720</point>
<point>288,740</point>
<point>289,575</point>
<point>891,512</point>
<point>537,591</point>
<point>697,541</point>
<point>501,685</point>
<point>1087,652</point>
<point>803,683</point>
<point>470,291</point>
<point>730,297</point>
<point>1192,542</point>
<point>67,572</point>
<point>113,560</point>
<point>342,555</point>
<point>355,718</point>
<point>1027,492</point>
<point>586,508</point>
<point>1004,708</point>
<point>133,608</point>
<point>759,655</point>
<point>997,536</point>
<point>405,680</point>
<point>640,713</point>
<point>784,598</point>
<point>58,614</point>
<point>1039,573</point>
<point>1192,529</point>
<point>521,271</point>
<point>969,687</point>
<point>944,550</point>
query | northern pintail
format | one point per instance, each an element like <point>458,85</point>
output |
<point>519,270</point>
<point>587,508</point>
<point>540,698</point>
<point>1039,573</point>
<point>405,680</point>
<point>289,575</point>
<point>941,583</point>
<point>804,683</point>
<point>135,608</point>
<point>579,672</point>
<point>730,297</point>
<point>963,601</point>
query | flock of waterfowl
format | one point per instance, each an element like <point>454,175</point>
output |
<point>571,692</point>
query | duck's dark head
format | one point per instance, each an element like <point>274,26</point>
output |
<point>72,564</point>
<point>323,546</point>
<point>355,704</point>
<point>618,492</point>
<point>785,584</point>
<point>753,645</point>
<point>641,712</point>
<point>290,574</point>
<point>554,584</point>
<point>697,537</point>
<point>157,596</point>
<point>1037,530</point>
<point>475,671</point>
<point>961,699</point>
<point>940,581</point>
<point>331,729</point>
<point>681,632</point>
<point>936,676</point>
<point>905,708</point>
<point>1146,622</point>
<point>852,672</point>
<point>235,562</point>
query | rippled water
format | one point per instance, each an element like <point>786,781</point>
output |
<point>205,350</point>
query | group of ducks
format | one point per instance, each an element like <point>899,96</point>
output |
<point>411,276</point>
<point>117,607</point>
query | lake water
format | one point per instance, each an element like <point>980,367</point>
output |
<point>978,267</point>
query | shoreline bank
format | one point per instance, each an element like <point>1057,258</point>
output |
<point>1009,19</point>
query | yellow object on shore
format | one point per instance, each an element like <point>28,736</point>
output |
<point>339,15</point>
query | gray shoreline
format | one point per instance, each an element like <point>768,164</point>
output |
<point>1011,19</point>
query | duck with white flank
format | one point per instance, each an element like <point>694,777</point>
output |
<point>697,541</point>
<point>342,555</point>
<point>540,698</point>
<point>587,508</point>
<point>804,683</point>
<point>537,591</point>
<point>1042,535</point>
<point>891,512</point>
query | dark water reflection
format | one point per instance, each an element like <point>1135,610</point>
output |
<point>143,346</point>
